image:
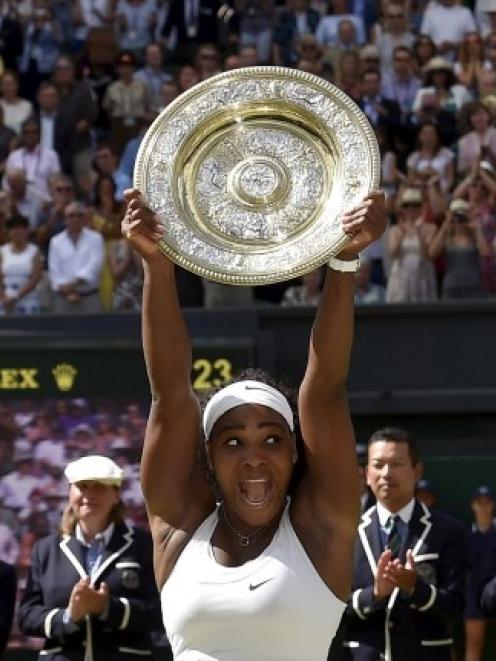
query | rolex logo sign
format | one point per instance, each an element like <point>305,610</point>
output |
<point>64,375</point>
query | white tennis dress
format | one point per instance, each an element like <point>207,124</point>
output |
<point>273,608</point>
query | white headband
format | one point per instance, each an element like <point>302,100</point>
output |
<point>245,392</point>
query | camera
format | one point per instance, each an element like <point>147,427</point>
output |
<point>460,217</point>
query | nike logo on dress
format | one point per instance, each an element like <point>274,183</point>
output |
<point>254,586</point>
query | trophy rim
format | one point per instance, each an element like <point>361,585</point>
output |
<point>354,112</point>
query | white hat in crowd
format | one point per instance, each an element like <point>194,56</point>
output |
<point>459,206</point>
<point>411,195</point>
<point>94,468</point>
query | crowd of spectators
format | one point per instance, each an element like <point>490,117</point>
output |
<point>81,80</point>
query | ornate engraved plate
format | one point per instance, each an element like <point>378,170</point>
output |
<point>251,171</point>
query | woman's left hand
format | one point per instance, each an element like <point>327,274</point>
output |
<point>94,601</point>
<point>364,224</point>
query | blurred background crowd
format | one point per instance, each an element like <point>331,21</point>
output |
<point>81,80</point>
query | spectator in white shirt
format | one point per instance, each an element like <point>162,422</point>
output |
<point>75,261</point>
<point>447,22</point>
<point>48,102</point>
<point>15,109</point>
<point>327,29</point>
<point>37,162</point>
<point>29,202</point>
<point>16,486</point>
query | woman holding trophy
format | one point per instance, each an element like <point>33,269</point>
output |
<point>253,550</point>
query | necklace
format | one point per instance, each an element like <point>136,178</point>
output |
<point>243,540</point>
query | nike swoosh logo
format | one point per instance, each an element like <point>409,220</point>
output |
<point>255,586</point>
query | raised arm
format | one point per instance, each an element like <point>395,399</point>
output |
<point>174,486</point>
<point>330,488</point>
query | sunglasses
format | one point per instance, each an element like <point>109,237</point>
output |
<point>411,205</point>
<point>63,189</point>
<point>396,15</point>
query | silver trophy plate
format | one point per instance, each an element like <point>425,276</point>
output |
<point>250,172</point>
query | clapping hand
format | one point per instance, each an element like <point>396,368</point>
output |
<point>383,585</point>
<point>87,600</point>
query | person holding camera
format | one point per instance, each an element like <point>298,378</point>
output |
<point>463,243</point>
<point>412,277</point>
<point>479,189</point>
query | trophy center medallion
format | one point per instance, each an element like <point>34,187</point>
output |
<point>258,182</point>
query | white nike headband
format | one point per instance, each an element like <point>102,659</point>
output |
<point>245,392</point>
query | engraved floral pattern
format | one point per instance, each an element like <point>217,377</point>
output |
<point>277,217</point>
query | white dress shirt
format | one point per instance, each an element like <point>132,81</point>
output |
<point>47,125</point>
<point>447,23</point>
<point>37,165</point>
<point>405,513</point>
<point>80,260</point>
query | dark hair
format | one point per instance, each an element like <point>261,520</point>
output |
<point>32,120</point>
<point>450,77</point>
<point>17,221</point>
<point>431,125</point>
<point>285,389</point>
<point>96,188</point>
<point>469,109</point>
<point>396,435</point>
<point>105,145</point>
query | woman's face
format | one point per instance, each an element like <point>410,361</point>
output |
<point>425,50</point>
<point>349,64</point>
<point>8,86</point>
<point>477,190</point>
<point>92,502</point>
<point>480,120</point>
<point>251,450</point>
<point>410,211</point>
<point>18,235</point>
<point>188,76</point>
<point>473,44</point>
<point>428,137</point>
<point>440,78</point>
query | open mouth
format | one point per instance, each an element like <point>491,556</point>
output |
<point>256,493</point>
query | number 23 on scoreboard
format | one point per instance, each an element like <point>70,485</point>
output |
<point>211,373</point>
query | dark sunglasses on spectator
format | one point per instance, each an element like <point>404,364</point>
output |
<point>395,15</point>
<point>410,205</point>
<point>208,56</point>
<point>63,189</point>
<point>75,214</point>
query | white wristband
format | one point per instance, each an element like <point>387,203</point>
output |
<point>350,266</point>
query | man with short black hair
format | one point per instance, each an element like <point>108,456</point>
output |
<point>409,571</point>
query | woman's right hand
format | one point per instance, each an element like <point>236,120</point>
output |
<point>76,607</point>
<point>140,226</point>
